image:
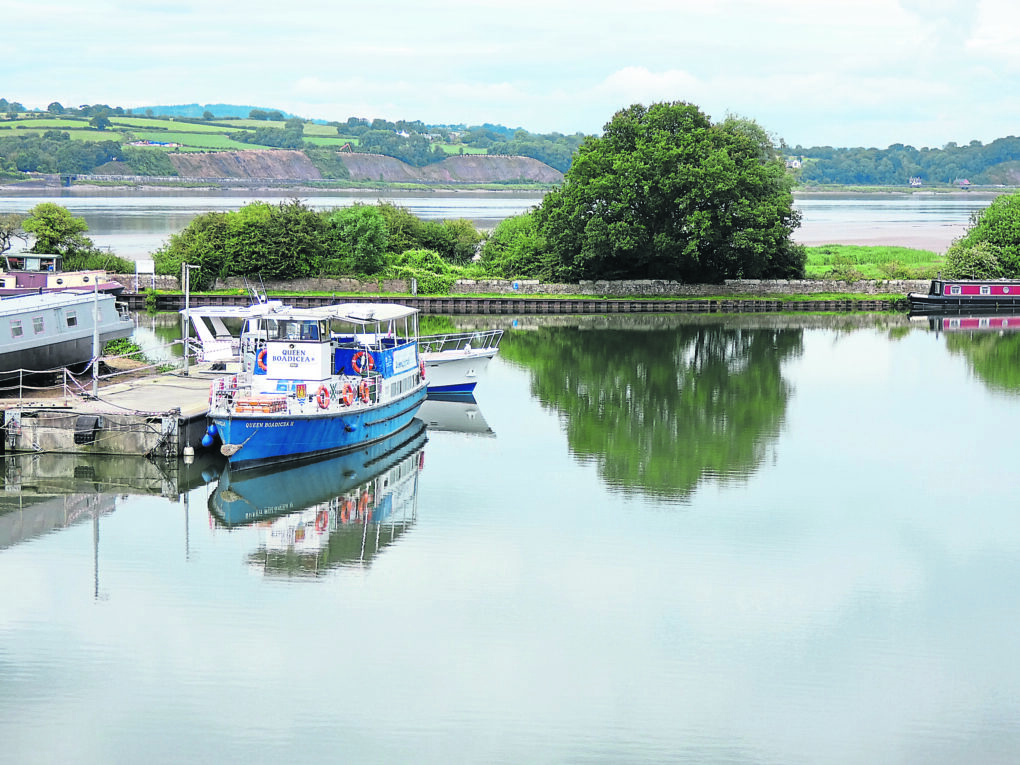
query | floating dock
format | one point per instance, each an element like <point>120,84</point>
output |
<point>155,416</point>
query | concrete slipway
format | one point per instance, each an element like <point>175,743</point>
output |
<point>153,416</point>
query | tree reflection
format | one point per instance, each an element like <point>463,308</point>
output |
<point>994,357</point>
<point>661,409</point>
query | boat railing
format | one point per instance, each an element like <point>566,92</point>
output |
<point>460,341</point>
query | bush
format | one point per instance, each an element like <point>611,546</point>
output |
<point>982,260</point>
<point>434,275</point>
<point>998,226</point>
<point>516,248</point>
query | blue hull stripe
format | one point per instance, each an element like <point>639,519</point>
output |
<point>457,388</point>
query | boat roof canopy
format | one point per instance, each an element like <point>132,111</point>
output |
<point>354,313</point>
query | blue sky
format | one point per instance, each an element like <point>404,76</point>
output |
<point>835,72</point>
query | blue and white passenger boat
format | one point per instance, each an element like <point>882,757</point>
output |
<point>314,380</point>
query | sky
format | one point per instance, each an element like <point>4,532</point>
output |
<point>811,72</point>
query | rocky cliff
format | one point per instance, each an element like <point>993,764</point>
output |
<point>294,165</point>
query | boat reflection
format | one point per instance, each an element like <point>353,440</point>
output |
<point>458,413</point>
<point>988,322</point>
<point>322,514</point>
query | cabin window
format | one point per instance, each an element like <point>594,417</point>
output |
<point>16,329</point>
<point>38,325</point>
<point>72,319</point>
<point>293,330</point>
<point>986,290</point>
<point>954,290</point>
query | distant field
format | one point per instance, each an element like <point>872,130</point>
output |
<point>877,262</point>
<point>458,149</point>
<point>194,140</point>
<point>191,135</point>
<point>138,123</point>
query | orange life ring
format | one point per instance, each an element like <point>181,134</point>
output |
<point>364,392</point>
<point>363,504</point>
<point>345,512</point>
<point>369,363</point>
<point>260,359</point>
<point>322,396</point>
<point>321,520</point>
<point>348,395</point>
<point>421,368</point>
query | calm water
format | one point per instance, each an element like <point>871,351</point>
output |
<point>650,539</point>
<point>135,225</point>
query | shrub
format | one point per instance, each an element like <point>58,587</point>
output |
<point>982,260</point>
<point>434,275</point>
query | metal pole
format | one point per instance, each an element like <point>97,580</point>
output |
<point>186,328</point>
<point>95,338</point>
<point>186,325</point>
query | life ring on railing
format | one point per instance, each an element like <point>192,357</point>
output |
<point>369,363</point>
<point>260,359</point>
<point>364,391</point>
<point>421,368</point>
<point>348,395</point>
<point>363,504</point>
<point>321,521</point>
<point>322,397</point>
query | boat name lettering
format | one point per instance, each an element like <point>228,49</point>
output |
<point>272,424</point>
<point>291,355</point>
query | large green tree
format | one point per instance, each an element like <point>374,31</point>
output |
<point>57,231</point>
<point>666,194</point>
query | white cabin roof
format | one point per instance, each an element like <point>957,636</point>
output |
<point>37,301</point>
<point>354,313</point>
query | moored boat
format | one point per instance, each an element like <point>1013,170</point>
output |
<point>454,361</point>
<point>961,295</point>
<point>25,273</point>
<point>316,380</point>
<point>48,331</point>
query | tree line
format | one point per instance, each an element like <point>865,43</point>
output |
<point>991,164</point>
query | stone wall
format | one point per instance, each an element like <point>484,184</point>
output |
<point>636,288</point>
<point>653,287</point>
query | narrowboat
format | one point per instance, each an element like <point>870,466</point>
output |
<point>26,272</point>
<point>46,332</point>
<point>313,381</point>
<point>967,295</point>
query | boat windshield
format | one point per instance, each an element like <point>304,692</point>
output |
<point>33,262</point>
<point>293,329</point>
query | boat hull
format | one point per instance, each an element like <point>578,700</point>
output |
<point>66,331</point>
<point>925,302</point>
<point>455,371</point>
<point>252,440</point>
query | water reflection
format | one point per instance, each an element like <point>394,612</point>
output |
<point>990,344</point>
<point>319,515</point>
<point>456,414</point>
<point>661,404</point>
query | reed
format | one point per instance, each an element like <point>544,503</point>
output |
<point>853,261</point>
